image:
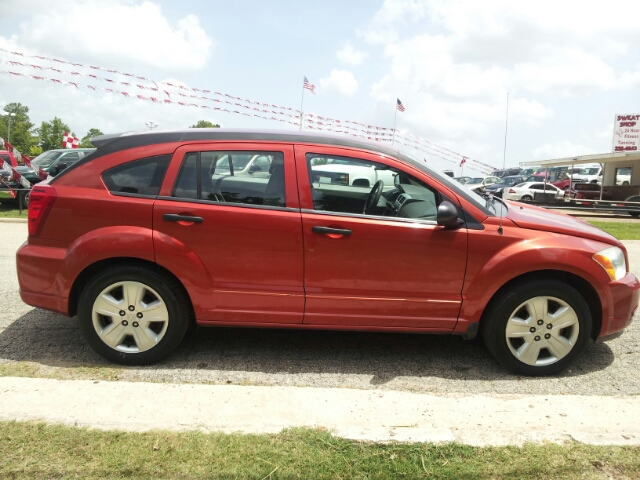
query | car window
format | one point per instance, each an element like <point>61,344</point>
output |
<point>201,178</point>
<point>139,177</point>
<point>350,186</point>
<point>70,158</point>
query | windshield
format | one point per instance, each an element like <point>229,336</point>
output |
<point>591,171</point>
<point>240,162</point>
<point>477,200</point>
<point>474,181</point>
<point>45,159</point>
<point>505,181</point>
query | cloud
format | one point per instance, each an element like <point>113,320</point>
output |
<point>119,32</point>
<point>561,150</point>
<point>349,55</point>
<point>341,81</point>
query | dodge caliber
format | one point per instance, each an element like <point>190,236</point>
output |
<point>148,235</point>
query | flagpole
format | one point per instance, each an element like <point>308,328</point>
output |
<point>301,102</point>
<point>395,116</point>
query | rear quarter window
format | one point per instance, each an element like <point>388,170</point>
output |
<point>139,177</point>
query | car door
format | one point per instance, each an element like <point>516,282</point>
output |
<point>371,269</point>
<point>238,238</point>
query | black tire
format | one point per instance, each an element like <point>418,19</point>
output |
<point>633,198</point>
<point>24,199</point>
<point>511,303</point>
<point>526,198</point>
<point>162,289</point>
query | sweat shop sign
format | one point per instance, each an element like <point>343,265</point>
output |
<point>626,133</point>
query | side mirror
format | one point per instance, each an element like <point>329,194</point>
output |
<point>255,168</point>
<point>60,167</point>
<point>448,215</point>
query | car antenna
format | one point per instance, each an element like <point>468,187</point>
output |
<point>504,156</point>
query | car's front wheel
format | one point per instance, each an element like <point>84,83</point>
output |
<point>537,328</point>
<point>133,315</point>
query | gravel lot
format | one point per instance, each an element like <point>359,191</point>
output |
<point>52,346</point>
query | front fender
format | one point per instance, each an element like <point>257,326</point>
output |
<point>487,273</point>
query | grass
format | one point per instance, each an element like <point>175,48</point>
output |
<point>620,230</point>
<point>71,372</point>
<point>9,209</point>
<point>30,450</point>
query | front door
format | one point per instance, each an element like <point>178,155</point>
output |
<point>379,262</point>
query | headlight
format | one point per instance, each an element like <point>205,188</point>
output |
<point>612,260</point>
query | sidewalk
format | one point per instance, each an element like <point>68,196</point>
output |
<point>372,415</point>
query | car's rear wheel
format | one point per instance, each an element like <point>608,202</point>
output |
<point>24,198</point>
<point>132,315</point>
<point>538,327</point>
<point>526,198</point>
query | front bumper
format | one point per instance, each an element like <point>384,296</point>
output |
<point>623,297</point>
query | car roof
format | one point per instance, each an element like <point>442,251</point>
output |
<point>122,141</point>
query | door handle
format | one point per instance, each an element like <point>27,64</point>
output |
<point>174,217</point>
<point>331,231</point>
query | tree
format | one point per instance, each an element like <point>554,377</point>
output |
<point>205,124</point>
<point>51,134</point>
<point>86,140</point>
<point>22,131</point>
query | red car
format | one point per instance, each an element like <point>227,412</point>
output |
<point>145,236</point>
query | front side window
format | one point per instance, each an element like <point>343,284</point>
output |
<point>229,177</point>
<point>354,186</point>
<point>140,177</point>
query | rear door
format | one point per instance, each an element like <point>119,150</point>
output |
<point>236,239</point>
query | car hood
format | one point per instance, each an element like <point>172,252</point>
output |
<point>537,218</point>
<point>22,169</point>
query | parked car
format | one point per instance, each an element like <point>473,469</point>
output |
<point>478,184</point>
<point>526,191</point>
<point>140,241</point>
<point>7,182</point>
<point>507,172</point>
<point>242,165</point>
<point>53,162</point>
<point>590,175</point>
<point>462,180</point>
<point>505,182</point>
<point>345,171</point>
<point>589,191</point>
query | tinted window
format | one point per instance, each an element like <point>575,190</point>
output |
<point>141,177</point>
<point>220,176</point>
<point>347,185</point>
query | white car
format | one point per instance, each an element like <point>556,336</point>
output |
<point>525,192</point>
<point>589,175</point>
<point>478,184</point>
<point>346,172</point>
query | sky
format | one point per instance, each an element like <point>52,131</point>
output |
<point>565,68</point>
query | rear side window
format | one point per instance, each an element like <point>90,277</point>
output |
<point>140,177</point>
<point>254,178</point>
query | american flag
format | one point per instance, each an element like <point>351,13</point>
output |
<point>308,86</point>
<point>399,105</point>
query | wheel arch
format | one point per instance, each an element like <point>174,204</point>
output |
<point>584,288</point>
<point>90,270</point>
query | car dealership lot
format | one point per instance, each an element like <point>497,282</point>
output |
<point>52,345</point>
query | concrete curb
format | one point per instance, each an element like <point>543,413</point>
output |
<point>372,415</point>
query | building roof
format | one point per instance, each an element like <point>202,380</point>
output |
<point>617,157</point>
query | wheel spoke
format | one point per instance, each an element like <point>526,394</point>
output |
<point>149,307</point>
<point>563,318</point>
<point>529,352</point>
<point>145,338</point>
<point>537,307</point>
<point>113,334</point>
<point>559,346</point>
<point>107,305</point>
<point>517,328</point>
<point>133,293</point>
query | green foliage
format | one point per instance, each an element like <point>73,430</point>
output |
<point>51,134</point>
<point>205,124</point>
<point>31,450</point>
<point>86,140</point>
<point>34,151</point>
<point>22,131</point>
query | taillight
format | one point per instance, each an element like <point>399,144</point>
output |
<point>511,190</point>
<point>41,200</point>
